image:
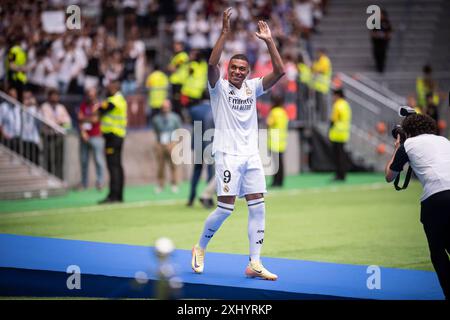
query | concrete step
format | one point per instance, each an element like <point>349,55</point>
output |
<point>19,170</point>
<point>18,179</point>
<point>28,194</point>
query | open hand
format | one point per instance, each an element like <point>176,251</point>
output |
<point>264,31</point>
<point>226,20</point>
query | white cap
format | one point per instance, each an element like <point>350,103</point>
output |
<point>404,111</point>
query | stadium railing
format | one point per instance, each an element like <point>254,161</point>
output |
<point>374,113</point>
<point>38,142</point>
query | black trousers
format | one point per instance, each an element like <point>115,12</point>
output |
<point>176,99</point>
<point>435,217</point>
<point>54,154</point>
<point>380,47</point>
<point>20,87</point>
<point>322,106</point>
<point>339,160</point>
<point>31,151</point>
<point>113,154</point>
<point>278,178</point>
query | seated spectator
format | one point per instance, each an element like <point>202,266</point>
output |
<point>129,71</point>
<point>55,114</point>
<point>73,63</point>
<point>30,128</point>
<point>112,68</point>
<point>10,122</point>
<point>92,71</point>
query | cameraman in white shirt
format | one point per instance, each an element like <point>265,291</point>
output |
<point>429,157</point>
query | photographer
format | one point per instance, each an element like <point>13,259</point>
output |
<point>429,157</point>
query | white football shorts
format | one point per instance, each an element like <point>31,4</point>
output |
<point>239,175</point>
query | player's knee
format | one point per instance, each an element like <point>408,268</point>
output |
<point>256,206</point>
<point>224,208</point>
<point>226,199</point>
<point>254,196</point>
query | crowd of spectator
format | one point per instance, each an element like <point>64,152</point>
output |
<point>74,60</point>
<point>113,44</point>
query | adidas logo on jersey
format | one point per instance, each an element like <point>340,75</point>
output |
<point>231,93</point>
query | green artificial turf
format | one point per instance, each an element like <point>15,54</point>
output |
<point>362,221</point>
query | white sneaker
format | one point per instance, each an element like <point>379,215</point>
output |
<point>198,259</point>
<point>175,189</point>
<point>255,269</point>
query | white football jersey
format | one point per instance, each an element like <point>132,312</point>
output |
<point>235,116</point>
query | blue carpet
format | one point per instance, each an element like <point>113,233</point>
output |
<point>35,266</point>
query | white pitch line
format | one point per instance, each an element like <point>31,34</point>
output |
<point>372,186</point>
<point>141,204</point>
<point>88,209</point>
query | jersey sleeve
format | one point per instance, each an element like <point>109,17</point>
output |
<point>400,159</point>
<point>258,86</point>
<point>214,92</point>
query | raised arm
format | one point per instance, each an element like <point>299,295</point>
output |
<point>389,174</point>
<point>213,63</point>
<point>277,63</point>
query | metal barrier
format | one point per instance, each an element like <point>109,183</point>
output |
<point>24,131</point>
<point>374,113</point>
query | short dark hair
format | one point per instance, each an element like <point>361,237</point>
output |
<point>339,92</point>
<point>52,91</point>
<point>427,69</point>
<point>417,124</point>
<point>240,56</point>
<point>277,99</point>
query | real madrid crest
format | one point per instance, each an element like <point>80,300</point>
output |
<point>226,188</point>
<point>248,91</point>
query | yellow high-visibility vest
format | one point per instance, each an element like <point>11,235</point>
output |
<point>304,72</point>
<point>180,62</point>
<point>115,121</point>
<point>277,123</point>
<point>158,84</point>
<point>422,90</point>
<point>322,74</point>
<point>195,83</point>
<point>19,58</point>
<point>341,117</point>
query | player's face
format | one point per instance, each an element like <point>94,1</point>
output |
<point>237,72</point>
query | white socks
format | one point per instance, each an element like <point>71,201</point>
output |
<point>214,221</point>
<point>256,224</point>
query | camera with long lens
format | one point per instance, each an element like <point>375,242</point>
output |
<point>398,130</point>
<point>404,111</point>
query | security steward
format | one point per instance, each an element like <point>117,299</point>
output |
<point>179,68</point>
<point>339,134</point>
<point>195,85</point>
<point>277,123</point>
<point>16,66</point>
<point>322,70</point>
<point>158,87</point>
<point>113,115</point>
<point>305,80</point>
